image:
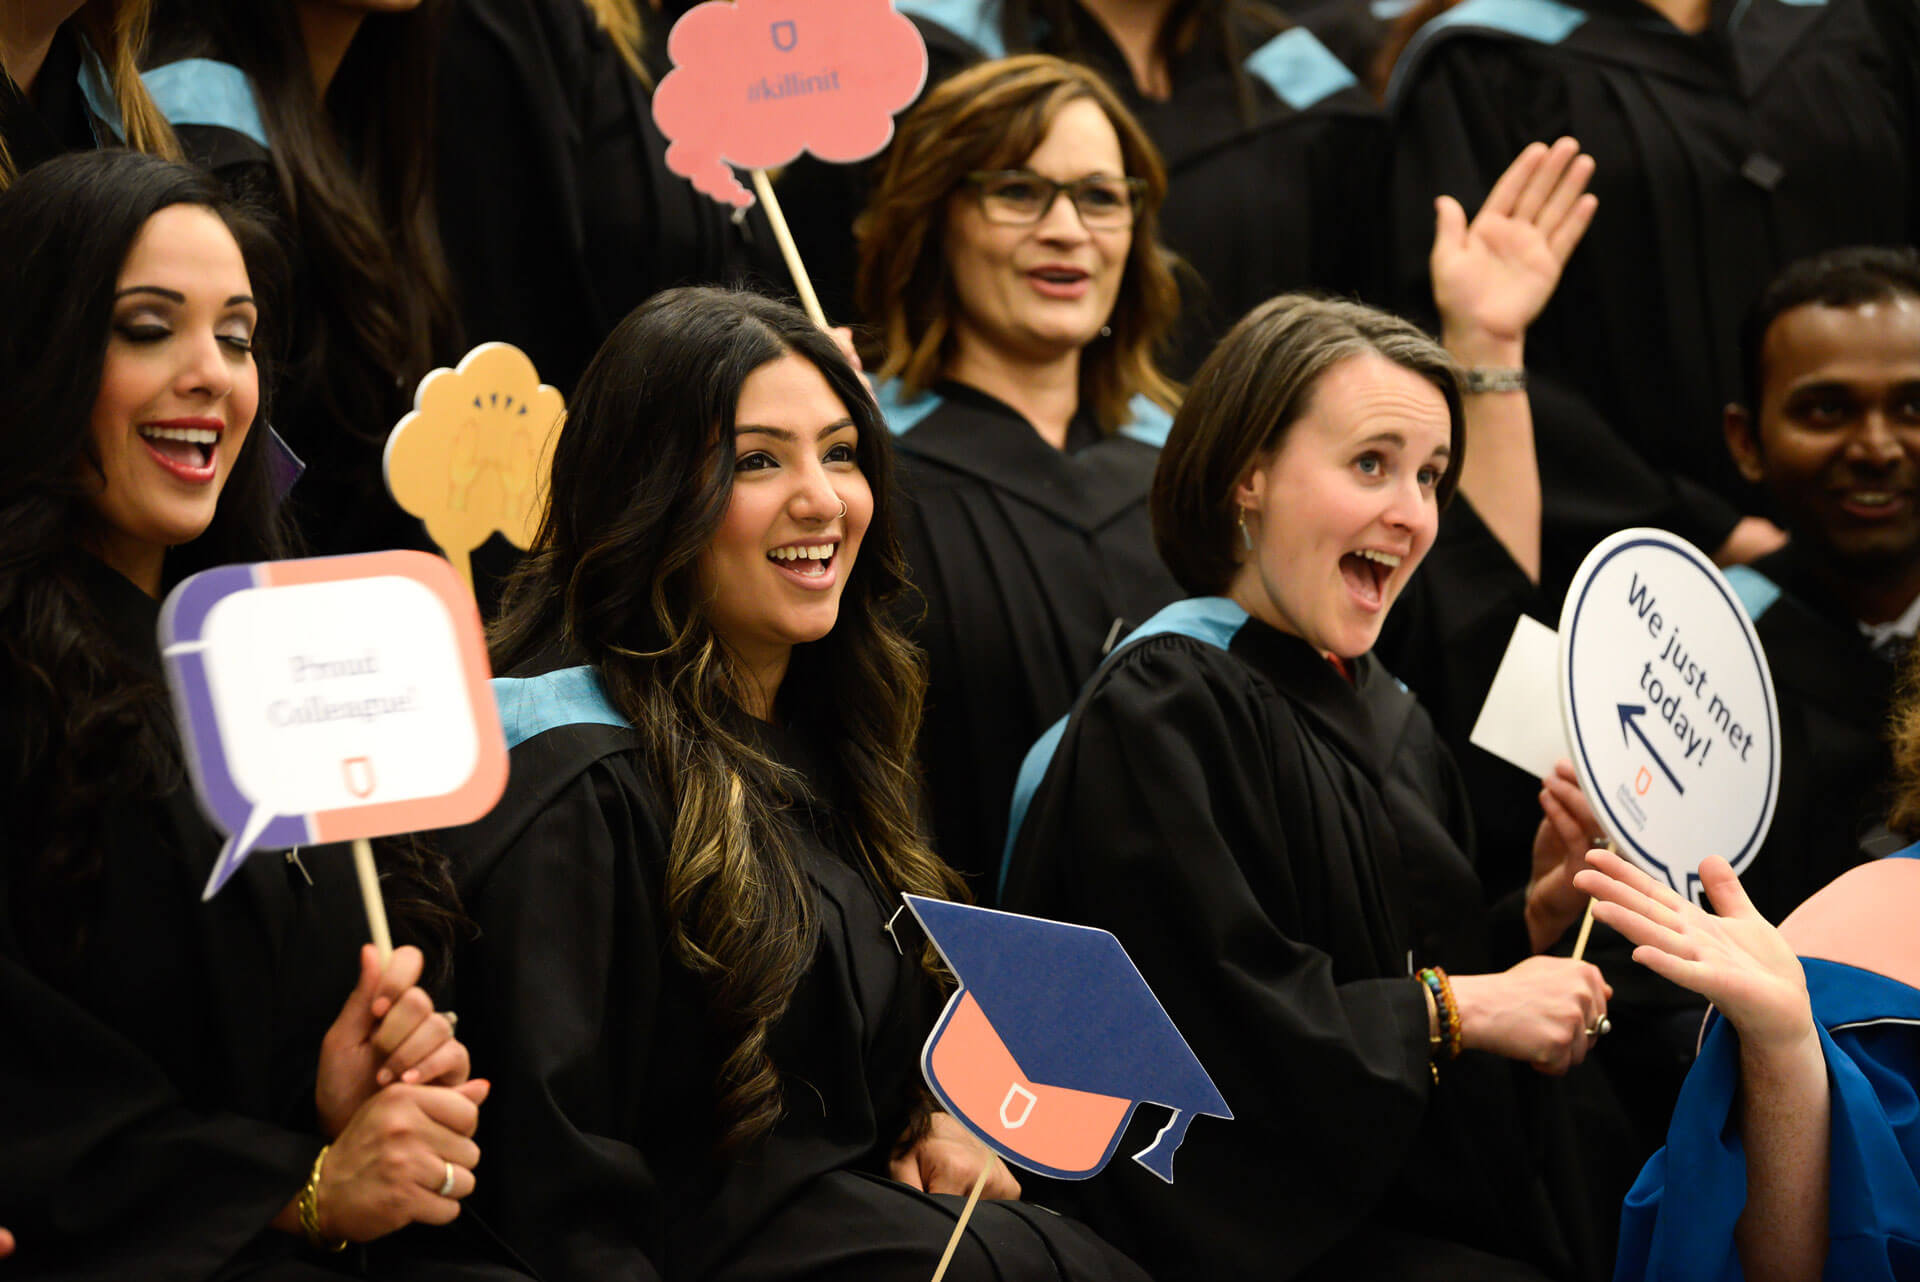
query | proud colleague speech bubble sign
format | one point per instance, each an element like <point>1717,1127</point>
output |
<point>1669,706</point>
<point>326,699</point>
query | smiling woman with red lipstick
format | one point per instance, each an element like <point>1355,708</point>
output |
<point>215,1064</point>
<point>1011,254</point>
<point>1268,820</point>
<point>705,1035</point>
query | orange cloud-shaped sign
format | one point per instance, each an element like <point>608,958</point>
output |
<point>472,457</point>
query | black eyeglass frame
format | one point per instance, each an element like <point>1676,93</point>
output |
<point>1136,189</point>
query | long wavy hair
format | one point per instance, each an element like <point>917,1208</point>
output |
<point>642,477</point>
<point>88,728</point>
<point>355,173</point>
<point>115,31</point>
<point>993,116</point>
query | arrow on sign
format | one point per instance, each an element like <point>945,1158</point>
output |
<point>1628,711</point>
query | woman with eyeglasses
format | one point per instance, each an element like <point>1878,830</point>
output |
<point>1011,257</point>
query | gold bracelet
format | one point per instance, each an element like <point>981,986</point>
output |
<point>309,1207</point>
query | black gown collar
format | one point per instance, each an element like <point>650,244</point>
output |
<point>53,119</point>
<point>1096,480</point>
<point>1364,717</point>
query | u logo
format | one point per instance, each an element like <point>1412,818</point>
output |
<point>785,35</point>
<point>1028,1100</point>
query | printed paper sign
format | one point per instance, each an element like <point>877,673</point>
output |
<point>1520,721</point>
<point>1669,706</point>
<point>332,698</point>
<point>1052,1041</point>
<point>472,457</point>
<point>756,82</point>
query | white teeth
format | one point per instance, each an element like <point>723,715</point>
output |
<point>1387,559</point>
<point>819,552</point>
<point>191,435</point>
<point>1871,498</point>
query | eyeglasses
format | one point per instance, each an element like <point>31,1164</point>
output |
<point>1020,198</point>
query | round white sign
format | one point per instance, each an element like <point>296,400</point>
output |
<point>1669,706</point>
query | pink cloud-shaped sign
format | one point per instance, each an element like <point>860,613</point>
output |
<point>756,82</point>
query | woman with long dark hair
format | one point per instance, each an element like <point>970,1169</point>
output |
<point>190,1090</point>
<point>325,111</point>
<point>704,1032</point>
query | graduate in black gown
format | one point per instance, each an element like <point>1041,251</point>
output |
<point>1732,137</point>
<point>68,83</point>
<point>188,1090</point>
<point>1267,820</point>
<point>1275,156</point>
<point>324,111</point>
<point>557,211</point>
<point>705,1034</point>
<point>1011,258</point>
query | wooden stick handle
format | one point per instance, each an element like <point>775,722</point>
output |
<point>370,896</point>
<point>966,1213</point>
<point>1586,928</point>
<point>788,250</point>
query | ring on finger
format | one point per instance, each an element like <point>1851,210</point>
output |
<point>453,1020</point>
<point>1601,1027</point>
<point>446,1185</point>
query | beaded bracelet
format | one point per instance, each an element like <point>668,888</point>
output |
<point>309,1208</point>
<point>1449,1010</point>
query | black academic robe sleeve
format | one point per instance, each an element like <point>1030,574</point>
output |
<point>105,1172</point>
<point>562,988</point>
<point>1181,813</point>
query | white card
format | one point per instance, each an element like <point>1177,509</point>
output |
<point>1520,722</point>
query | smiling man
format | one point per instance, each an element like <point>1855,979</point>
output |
<point>1831,430</point>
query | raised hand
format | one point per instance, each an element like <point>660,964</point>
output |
<point>391,1162</point>
<point>1494,275</point>
<point>1735,960</point>
<point>947,1159</point>
<point>1541,1012</point>
<point>387,1031</point>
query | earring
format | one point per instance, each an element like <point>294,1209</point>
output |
<point>1246,535</point>
<point>1106,331</point>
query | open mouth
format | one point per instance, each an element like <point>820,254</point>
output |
<point>805,561</point>
<point>1871,503</point>
<point>1367,572</point>
<point>1060,282</point>
<point>185,451</point>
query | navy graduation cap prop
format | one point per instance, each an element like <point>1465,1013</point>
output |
<point>1051,1042</point>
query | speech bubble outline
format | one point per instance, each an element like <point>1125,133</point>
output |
<point>1593,722</point>
<point>756,82</point>
<point>189,620</point>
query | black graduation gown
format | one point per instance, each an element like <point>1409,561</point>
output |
<point>156,1103</point>
<point>1275,847</point>
<point>1288,197</point>
<point>601,1125</point>
<point>557,211</point>
<point>1782,130</point>
<point>1030,561</point>
<point>54,118</point>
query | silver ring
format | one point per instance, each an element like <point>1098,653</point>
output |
<point>446,1185</point>
<point>453,1020</point>
<point>1601,1027</point>
<point>843,510</point>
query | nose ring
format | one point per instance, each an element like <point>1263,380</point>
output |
<point>843,510</point>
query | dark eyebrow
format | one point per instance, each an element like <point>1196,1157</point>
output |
<point>782,434</point>
<point>176,296</point>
